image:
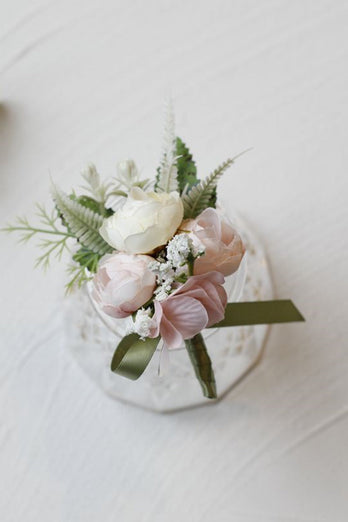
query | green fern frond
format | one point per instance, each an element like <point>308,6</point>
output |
<point>86,264</point>
<point>79,276</point>
<point>200,195</point>
<point>83,222</point>
<point>54,241</point>
<point>52,248</point>
<point>203,195</point>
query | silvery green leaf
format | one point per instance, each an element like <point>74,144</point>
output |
<point>83,222</point>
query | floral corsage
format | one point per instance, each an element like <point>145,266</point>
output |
<point>154,252</point>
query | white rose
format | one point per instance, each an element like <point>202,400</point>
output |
<point>147,220</point>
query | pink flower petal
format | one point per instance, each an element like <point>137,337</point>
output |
<point>224,248</point>
<point>212,301</point>
<point>114,311</point>
<point>170,334</point>
<point>156,320</point>
<point>215,277</point>
<point>210,219</point>
<point>187,314</point>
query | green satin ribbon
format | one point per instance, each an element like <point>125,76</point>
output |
<point>133,354</point>
<point>260,312</point>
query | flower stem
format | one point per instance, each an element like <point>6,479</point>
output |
<point>190,264</point>
<point>201,363</point>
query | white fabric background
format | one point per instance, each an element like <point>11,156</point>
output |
<point>84,80</point>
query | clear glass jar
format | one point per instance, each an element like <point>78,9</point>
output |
<point>168,382</point>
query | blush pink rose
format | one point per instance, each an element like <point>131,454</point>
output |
<point>195,305</point>
<point>123,283</point>
<point>224,248</point>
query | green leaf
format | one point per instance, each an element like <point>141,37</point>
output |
<point>132,355</point>
<point>187,171</point>
<point>201,363</point>
<point>78,275</point>
<point>203,195</point>
<point>85,201</point>
<point>92,204</point>
<point>88,202</point>
<point>212,199</point>
<point>87,259</point>
<point>118,192</point>
<point>157,177</point>
<point>142,184</point>
<point>82,222</point>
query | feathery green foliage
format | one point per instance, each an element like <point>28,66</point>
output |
<point>201,195</point>
<point>53,245</point>
<point>187,171</point>
<point>86,265</point>
<point>79,276</point>
<point>93,204</point>
<point>87,259</point>
<point>166,179</point>
<point>82,222</point>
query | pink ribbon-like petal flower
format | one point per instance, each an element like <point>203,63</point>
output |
<point>197,304</point>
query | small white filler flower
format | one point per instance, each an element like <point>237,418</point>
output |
<point>142,322</point>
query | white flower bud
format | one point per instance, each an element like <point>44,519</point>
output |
<point>127,173</point>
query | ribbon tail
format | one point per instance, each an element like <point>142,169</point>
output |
<point>201,363</point>
<point>132,355</point>
<point>260,312</point>
<point>163,361</point>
